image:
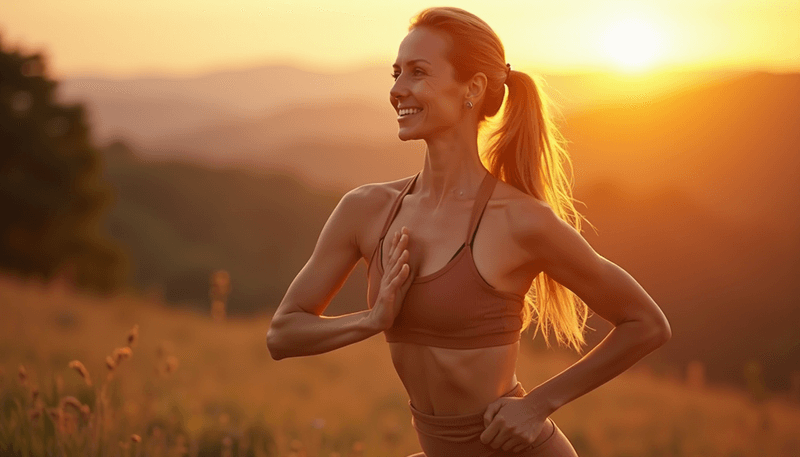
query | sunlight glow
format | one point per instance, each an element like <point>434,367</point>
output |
<point>633,44</point>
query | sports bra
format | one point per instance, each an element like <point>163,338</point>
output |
<point>453,307</point>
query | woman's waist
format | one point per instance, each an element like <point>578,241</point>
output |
<point>449,382</point>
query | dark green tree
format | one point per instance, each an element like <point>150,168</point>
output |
<point>52,196</point>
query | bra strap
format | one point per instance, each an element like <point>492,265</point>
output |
<point>484,194</point>
<point>396,205</point>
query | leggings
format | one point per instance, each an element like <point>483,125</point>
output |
<point>454,436</point>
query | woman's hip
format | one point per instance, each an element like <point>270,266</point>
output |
<point>446,436</point>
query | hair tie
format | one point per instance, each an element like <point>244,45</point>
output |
<point>508,73</point>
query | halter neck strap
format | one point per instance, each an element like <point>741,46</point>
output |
<point>481,199</point>
<point>396,204</point>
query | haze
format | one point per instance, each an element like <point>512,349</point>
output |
<point>184,38</point>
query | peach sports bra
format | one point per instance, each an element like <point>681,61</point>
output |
<point>453,307</point>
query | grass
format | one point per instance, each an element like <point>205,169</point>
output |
<point>200,387</point>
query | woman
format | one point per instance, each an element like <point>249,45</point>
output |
<point>453,326</point>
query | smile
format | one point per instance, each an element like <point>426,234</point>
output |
<point>408,111</point>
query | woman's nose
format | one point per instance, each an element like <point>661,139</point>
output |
<point>398,89</point>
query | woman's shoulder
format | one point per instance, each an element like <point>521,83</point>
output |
<point>517,202</point>
<point>524,213</point>
<point>375,196</point>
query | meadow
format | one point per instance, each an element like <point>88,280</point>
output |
<point>199,386</point>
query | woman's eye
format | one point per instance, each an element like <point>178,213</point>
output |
<point>416,72</point>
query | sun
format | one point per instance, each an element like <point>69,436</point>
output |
<point>632,43</point>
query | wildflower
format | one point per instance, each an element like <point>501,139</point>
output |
<point>121,354</point>
<point>85,412</point>
<point>78,366</point>
<point>136,438</point>
<point>110,363</point>
<point>34,394</point>
<point>133,335</point>
<point>23,375</point>
<point>70,401</point>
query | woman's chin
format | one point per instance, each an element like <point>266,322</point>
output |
<point>407,134</point>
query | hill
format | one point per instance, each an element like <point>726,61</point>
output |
<point>181,222</point>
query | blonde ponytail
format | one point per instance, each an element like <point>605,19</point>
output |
<point>527,151</point>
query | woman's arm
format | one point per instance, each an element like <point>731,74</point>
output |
<point>298,327</point>
<point>640,326</point>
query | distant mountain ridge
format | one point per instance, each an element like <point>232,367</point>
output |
<point>142,109</point>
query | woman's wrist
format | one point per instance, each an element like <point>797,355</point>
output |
<point>540,400</point>
<point>374,323</point>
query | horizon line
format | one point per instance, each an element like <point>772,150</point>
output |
<point>328,70</point>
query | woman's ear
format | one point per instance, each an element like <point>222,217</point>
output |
<point>476,87</point>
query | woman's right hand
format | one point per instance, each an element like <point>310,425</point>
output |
<point>394,283</point>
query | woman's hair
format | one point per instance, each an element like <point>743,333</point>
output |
<point>525,151</point>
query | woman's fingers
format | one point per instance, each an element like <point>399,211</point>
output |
<point>400,278</point>
<point>401,260</point>
<point>398,247</point>
<point>397,271</point>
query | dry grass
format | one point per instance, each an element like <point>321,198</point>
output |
<point>193,385</point>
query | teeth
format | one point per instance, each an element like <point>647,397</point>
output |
<point>407,111</point>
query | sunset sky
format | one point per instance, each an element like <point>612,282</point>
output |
<point>183,37</point>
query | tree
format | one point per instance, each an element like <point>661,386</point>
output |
<point>52,196</point>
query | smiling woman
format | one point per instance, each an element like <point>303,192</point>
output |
<point>463,256</point>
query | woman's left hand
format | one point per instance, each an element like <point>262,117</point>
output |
<point>512,423</point>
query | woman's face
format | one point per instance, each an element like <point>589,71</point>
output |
<point>426,96</point>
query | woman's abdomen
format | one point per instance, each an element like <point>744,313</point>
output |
<point>443,381</point>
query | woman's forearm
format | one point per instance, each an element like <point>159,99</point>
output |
<point>300,333</point>
<point>625,345</point>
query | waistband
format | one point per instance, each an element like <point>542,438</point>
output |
<point>436,425</point>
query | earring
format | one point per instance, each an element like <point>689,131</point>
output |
<point>469,104</point>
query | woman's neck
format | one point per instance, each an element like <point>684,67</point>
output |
<point>452,170</point>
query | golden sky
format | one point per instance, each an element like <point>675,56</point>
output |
<point>182,37</point>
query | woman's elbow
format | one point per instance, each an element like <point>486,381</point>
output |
<point>661,331</point>
<point>274,342</point>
